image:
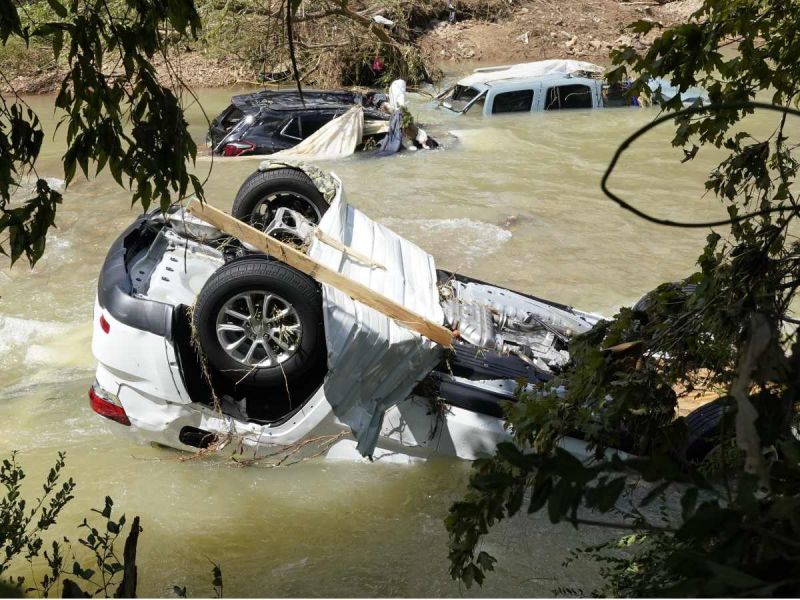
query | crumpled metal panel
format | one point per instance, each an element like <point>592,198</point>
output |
<point>373,361</point>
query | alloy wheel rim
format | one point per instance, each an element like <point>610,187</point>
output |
<point>265,209</point>
<point>259,329</point>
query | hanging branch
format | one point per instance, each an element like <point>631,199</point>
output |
<point>669,117</point>
<point>290,6</point>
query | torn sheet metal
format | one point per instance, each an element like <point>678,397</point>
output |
<point>373,361</point>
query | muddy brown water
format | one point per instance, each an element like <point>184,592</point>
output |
<point>515,201</point>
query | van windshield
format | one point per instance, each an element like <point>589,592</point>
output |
<point>461,98</point>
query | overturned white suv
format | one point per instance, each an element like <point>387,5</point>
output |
<point>203,341</point>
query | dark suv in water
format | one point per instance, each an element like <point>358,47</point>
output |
<point>273,120</point>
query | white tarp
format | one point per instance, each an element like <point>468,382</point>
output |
<point>374,362</point>
<point>397,94</point>
<point>531,69</point>
<point>336,139</point>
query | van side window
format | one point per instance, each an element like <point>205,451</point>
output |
<point>568,96</point>
<point>292,129</point>
<point>519,101</point>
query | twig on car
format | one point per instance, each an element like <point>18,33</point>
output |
<point>325,442</point>
<point>194,340</point>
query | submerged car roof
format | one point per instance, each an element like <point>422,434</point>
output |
<point>289,99</point>
<point>522,82</point>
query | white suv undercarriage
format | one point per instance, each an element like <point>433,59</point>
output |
<point>202,342</point>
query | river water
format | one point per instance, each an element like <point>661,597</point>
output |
<point>515,200</point>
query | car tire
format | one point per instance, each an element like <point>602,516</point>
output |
<point>704,429</point>
<point>265,191</point>
<point>228,325</point>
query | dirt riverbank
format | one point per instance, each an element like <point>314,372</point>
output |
<point>541,29</point>
<point>528,30</point>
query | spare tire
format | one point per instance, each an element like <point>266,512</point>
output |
<point>266,191</point>
<point>259,322</point>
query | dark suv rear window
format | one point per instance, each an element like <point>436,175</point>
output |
<point>231,117</point>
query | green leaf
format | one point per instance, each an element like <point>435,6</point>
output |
<point>688,502</point>
<point>513,455</point>
<point>569,467</point>
<point>485,561</point>
<point>559,500</point>
<point>541,492</point>
<point>58,42</point>
<point>733,577</point>
<point>107,508</point>
<point>515,500</point>
<point>642,26</point>
<point>607,495</point>
<point>491,481</point>
<point>655,493</point>
<point>58,8</point>
<point>746,492</point>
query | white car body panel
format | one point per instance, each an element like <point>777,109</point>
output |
<point>158,407</point>
<point>374,362</point>
<point>538,77</point>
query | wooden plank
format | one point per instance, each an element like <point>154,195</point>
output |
<point>334,243</point>
<point>316,270</point>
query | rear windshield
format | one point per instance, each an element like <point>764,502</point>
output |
<point>230,117</point>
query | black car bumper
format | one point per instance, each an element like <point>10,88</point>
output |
<point>114,285</point>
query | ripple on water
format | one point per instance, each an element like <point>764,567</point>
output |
<point>15,331</point>
<point>27,186</point>
<point>458,242</point>
<point>32,342</point>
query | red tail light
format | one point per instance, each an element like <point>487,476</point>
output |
<point>237,148</point>
<point>107,405</point>
<point>104,325</point>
